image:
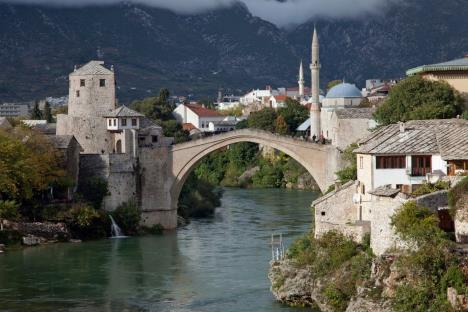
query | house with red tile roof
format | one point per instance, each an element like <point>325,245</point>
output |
<point>197,115</point>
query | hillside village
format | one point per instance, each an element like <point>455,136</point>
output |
<point>412,160</point>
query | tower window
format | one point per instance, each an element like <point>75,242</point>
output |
<point>82,82</point>
<point>77,93</point>
<point>102,82</point>
<point>134,122</point>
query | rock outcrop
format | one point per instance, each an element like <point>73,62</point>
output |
<point>296,286</point>
<point>36,233</point>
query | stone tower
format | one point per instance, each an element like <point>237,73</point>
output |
<point>301,82</point>
<point>91,97</point>
<point>91,91</point>
<point>315,101</point>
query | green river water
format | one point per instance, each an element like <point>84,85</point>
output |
<point>218,264</point>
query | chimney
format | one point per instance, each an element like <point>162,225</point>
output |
<point>112,68</point>
<point>402,127</point>
<point>74,69</point>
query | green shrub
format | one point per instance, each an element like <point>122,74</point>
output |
<point>156,229</point>
<point>457,192</point>
<point>427,188</point>
<point>417,224</point>
<point>128,217</point>
<point>336,298</point>
<point>86,223</point>
<point>94,190</point>
<point>419,298</point>
<point>10,237</point>
<point>8,210</point>
<point>455,278</point>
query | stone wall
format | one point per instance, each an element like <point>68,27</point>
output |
<point>336,211</point>
<point>434,201</point>
<point>156,183</point>
<point>461,220</point>
<point>90,132</point>
<point>383,236</point>
<point>120,171</point>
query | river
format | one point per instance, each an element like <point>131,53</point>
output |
<point>217,264</point>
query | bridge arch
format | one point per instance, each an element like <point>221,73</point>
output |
<point>319,160</point>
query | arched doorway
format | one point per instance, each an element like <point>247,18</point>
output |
<point>118,147</point>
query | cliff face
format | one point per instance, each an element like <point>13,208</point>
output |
<point>230,48</point>
<point>296,286</point>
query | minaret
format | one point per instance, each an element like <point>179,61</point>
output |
<point>301,82</point>
<point>315,74</point>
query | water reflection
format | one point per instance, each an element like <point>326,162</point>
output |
<point>210,265</point>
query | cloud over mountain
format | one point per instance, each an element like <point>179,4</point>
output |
<point>282,13</point>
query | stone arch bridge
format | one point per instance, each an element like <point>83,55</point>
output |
<point>164,171</point>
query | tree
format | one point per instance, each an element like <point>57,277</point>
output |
<point>280,126</point>
<point>8,210</point>
<point>264,120</point>
<point>333,83</point>
<point>29,165</point>
<point>417,98</point>
<point>48,113</point>
<point>36,112</point>
<point>348,173</point>
<point>294,114</point>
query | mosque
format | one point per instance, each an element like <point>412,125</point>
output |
<point>336,118</point>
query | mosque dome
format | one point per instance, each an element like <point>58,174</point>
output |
<point>344,90</point>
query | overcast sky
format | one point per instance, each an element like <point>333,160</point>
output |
<point>280,13</point>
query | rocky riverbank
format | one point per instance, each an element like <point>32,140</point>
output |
<point>33,233</point>
<point>297,286</point>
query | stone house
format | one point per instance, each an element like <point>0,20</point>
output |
<point>407,154</point>
<point>392,162</point>
<point>111,138</point>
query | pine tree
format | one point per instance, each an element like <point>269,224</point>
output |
<point>48,113</point>
<point>36,112</point>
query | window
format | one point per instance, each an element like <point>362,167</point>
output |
<point>82,82</point>
<point>322,213</point>
<point>420,165</point>
<point>203,124</point>
<point>134,122</point>
<point>77,93</point>
<point>110,122</point>
<point>115,122</point>
<point>124,122</point>
<point>361,162</point>
<point>154,139</point>
<point>102,82</point>
<point>363,189</point>
<point>391,162</point>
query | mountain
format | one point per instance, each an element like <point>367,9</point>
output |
<point>153,48</point>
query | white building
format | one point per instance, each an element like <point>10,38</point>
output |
<point>407,154</point>
<point>197,115</point>
<point>257,96</point>
<point>14,109</point>
<point>277,101</point>
<point>229,102</point>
